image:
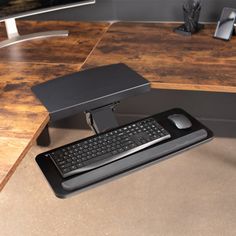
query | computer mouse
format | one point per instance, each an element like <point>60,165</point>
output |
<point>180,121</point>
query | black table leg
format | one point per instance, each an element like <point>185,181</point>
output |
<point>44,138</point>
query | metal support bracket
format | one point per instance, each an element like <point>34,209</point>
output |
<point>102,119</point>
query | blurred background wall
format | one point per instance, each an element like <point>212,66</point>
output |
<point>138,10</point>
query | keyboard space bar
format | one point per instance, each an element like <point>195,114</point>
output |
<point>135,160</point>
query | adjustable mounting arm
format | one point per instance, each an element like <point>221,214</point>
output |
<point>102,118</point>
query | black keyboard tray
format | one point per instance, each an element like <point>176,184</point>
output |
<point>181,140</point>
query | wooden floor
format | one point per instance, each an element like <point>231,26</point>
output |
<point>22,117</point>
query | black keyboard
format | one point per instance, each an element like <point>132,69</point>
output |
<point>98,150</point>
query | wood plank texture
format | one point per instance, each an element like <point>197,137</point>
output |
<point>22,117</point>
<point>169,60</point>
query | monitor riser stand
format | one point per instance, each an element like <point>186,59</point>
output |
<point>14,36</point>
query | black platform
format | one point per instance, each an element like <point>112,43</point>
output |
<point>188,138</point>
<point>89,89</point>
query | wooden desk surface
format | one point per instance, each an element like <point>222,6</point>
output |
<point>169,60</point>
<point>22,117</point>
